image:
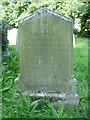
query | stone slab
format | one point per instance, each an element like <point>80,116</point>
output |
<point>46,54</point>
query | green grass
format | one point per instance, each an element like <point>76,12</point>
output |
<point>24,107</point>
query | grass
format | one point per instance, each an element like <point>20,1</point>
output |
<point>24,107</point>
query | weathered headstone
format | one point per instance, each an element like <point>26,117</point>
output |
<point>46,56</point>
<point>17,41</point>
<point>73,40</point>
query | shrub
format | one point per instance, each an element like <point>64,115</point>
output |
<point>84,14</point>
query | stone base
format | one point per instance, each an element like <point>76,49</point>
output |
<point>69,99</point>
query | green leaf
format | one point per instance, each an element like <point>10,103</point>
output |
<point>55,114</point>
<point>60,111</point>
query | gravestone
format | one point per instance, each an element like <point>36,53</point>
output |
<point>0,71</point>
<point>46,57</point>
<point>17,41</point>
<point>0,50</point>
<point>73,40</point>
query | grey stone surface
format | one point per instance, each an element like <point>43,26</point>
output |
<point>46,55</point>
<point>17,41</point>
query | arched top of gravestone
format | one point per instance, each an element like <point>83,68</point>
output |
<point>41,11</point>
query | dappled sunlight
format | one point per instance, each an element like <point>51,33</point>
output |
<point>80,45</point>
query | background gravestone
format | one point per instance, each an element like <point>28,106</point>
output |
<point>3,28</point>
<point>46,56</point>
<point>0,71</point>
<point>0,50</point>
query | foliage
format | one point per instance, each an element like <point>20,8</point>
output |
<point>3,29</point>
<point>24,107</point>
<point>74,9</point>
<point>85,16</point>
